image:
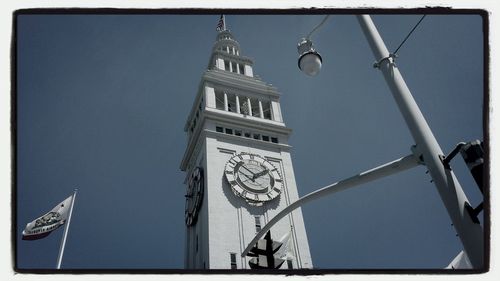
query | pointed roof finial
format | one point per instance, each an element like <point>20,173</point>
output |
<point>221,25</point>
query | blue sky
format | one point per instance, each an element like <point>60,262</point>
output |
<point>102,101</point>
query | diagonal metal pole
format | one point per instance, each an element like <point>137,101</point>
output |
<point>452,194</point>
<point>385,170</point>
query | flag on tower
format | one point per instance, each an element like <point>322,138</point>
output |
<point>221,26</point>
<point>44,225</point>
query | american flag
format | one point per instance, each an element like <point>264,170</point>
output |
<point>220,25</point>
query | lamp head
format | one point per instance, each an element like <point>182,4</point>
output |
<point>309,60</point>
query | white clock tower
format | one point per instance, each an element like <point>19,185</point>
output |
<point>238,165</point>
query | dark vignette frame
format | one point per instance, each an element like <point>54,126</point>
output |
<point>312,11</point>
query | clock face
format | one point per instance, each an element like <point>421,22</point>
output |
<point>253,178</point>
<point>194,196</point>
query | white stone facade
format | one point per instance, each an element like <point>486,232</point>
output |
<point>216,131</point>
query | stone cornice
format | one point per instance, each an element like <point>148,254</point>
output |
<point>235,58</point>
<point>236,120</point>
<point>247,121</point>
<point>238,81</point>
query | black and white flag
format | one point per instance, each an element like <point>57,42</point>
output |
<point>44,225</point>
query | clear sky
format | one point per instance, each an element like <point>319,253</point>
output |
<point>102,101</point>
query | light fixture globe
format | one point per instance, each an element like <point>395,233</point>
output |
<point>309,60</point>
<point>310,63</point>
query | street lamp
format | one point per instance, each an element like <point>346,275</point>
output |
<point>309,60</point>
<point>426,150</point>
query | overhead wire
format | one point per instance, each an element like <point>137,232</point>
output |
<point>318,26</point>
<point>407,36</point>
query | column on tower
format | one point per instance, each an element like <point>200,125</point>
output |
<point>249,106</point>
<point>261,111</point>
<point>248,70</point>
<point>225,102</point>
<point>275,109</point>
<point>238,104</point>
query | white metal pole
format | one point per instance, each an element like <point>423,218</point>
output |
<point>65,234</point>
<point>385,170</point>
<point>452,195</point>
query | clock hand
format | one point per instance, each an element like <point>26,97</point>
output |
<point>245,173</point>
<point>247,176</point>
<point>260,174</point>
<point>248,170</point>
<point>248,180</point>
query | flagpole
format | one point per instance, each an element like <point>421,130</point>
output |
<point>224,21</point>
<point>63,241</point>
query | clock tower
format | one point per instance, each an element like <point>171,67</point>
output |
<point>239,171</point>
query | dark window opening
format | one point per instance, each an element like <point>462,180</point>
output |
<point>266,109</point>
<point>231,102</point>
<point>237,132</point>
<point>233,260</point>
<point>229,131</point>
<point>289,264</point>
<point>265,138</point>
<point>219,100</point>
<point>247,134</point>
<point>218,129</point>
<point>257,224</point>
<point>255,107</point>
<point>273,139</point>
<point>256,136</point>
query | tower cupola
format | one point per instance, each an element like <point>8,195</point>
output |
<point>226,55</point>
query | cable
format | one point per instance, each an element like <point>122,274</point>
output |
<point>318,26</point>
<point>407,36</point>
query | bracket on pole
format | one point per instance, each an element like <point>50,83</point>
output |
<point>446,160</point>
<point>474,212</point>
<point>418,154</point>
<point>391,58</point>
